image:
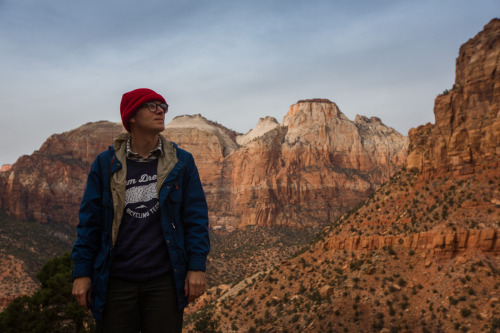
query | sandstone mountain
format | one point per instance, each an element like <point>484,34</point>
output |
<point>312,167</point>
<point>293,176</point>
<point>421,254</point>
<point>47,185</point>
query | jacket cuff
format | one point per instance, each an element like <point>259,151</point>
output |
<point>80,270</point>
<point>197,264</point>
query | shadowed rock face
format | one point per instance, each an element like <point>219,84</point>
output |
<point>48,185</point>
<point>466,135</point>
<point>312,166</point>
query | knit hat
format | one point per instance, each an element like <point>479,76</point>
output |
<point>132,100</point>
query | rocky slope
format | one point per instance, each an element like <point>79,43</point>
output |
<point>315,164</point>
<point>24,248</point>
<point>421,254</point>
<point>14,280</point>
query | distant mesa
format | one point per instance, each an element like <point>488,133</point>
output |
<point>5,167</point>
<point>194,121</point>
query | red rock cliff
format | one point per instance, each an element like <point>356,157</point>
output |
<point>48,185</point>
<point>466,134</point>
<point>313,167</point>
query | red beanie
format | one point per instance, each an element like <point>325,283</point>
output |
<point>132,100</point>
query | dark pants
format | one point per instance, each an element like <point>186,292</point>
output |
<point>146,307</point>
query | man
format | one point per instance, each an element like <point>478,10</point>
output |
<point>142,239</point>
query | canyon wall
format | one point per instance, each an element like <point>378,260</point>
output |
<point>466,133</point>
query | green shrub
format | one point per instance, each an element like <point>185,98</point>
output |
<point>465,312</point>
<point>52,308</point>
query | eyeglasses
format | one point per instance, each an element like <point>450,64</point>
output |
<point>153,107</point>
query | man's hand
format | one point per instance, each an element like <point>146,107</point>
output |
<point>195,284</point>
<point>81,291</point>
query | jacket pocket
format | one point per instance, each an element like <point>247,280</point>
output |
<point>175,195</point>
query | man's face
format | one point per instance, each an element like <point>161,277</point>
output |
<point>148,120</point>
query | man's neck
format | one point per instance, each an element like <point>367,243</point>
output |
<point>143,144</point>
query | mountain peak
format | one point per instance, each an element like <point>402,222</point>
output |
<point>263,126</point>
<point>311,112</point>
<point>191,121</point>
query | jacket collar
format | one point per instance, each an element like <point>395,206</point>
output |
<point>166,161</point>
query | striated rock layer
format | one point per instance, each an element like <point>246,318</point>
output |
<point>445,241</point>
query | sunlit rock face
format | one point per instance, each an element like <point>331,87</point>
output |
<point>312,167</point>
<point>307,170</point>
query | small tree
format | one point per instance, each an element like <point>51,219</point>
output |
<point>52,308</point>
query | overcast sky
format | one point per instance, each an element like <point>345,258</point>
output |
<point>65,63</point>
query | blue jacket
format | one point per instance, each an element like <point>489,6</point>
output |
<point>184,217</point>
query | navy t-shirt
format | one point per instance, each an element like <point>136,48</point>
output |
<point>140,252</point>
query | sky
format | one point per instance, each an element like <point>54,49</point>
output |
<point>66,63</point>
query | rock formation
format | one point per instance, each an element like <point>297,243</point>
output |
<point>263,126</point>
<point>448,242</point>
<point>48,185</point>
<point>312,167</point>
<point>466,134</point>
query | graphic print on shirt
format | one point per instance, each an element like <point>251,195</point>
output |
<point>140,252</point>
<point>141,198</point>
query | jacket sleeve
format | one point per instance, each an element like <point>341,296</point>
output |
<point>90,224</point>
<point>195,219</point>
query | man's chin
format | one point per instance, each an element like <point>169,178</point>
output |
<point>159,127</point>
